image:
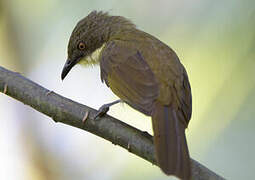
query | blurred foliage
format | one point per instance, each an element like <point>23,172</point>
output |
<point>215,40</point>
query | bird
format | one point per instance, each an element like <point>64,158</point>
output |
<point>144,73</point>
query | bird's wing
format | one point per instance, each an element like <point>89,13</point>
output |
<point>183,92</point>
<point>174,83</point>
<point>125,71</point>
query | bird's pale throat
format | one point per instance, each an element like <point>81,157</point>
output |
<point>93,58</point>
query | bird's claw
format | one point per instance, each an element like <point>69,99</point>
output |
<point>102,111</point>
<point>105,108</point>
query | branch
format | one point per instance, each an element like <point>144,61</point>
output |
<point>66,111</point>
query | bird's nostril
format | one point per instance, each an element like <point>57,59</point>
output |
<point>68,62</point>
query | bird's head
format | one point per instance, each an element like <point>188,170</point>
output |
<point>85,39</point>
<point>89,35</point>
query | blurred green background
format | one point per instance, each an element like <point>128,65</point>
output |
<point>215,40</point>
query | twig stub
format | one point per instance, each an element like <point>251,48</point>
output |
<point>5,88</point>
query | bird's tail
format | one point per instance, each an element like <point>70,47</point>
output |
<point>170,142</point>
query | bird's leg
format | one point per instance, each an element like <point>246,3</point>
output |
<point>105,108</point>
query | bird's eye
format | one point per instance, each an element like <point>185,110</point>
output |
<point>81,45</point>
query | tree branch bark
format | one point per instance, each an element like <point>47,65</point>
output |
<point>66,111</point>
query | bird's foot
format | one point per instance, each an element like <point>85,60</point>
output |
<point>105,108</point>
<point>102,111</point>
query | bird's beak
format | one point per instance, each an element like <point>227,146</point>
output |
<point>67,67</point>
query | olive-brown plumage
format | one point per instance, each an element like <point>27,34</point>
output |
<point>146,74</point>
